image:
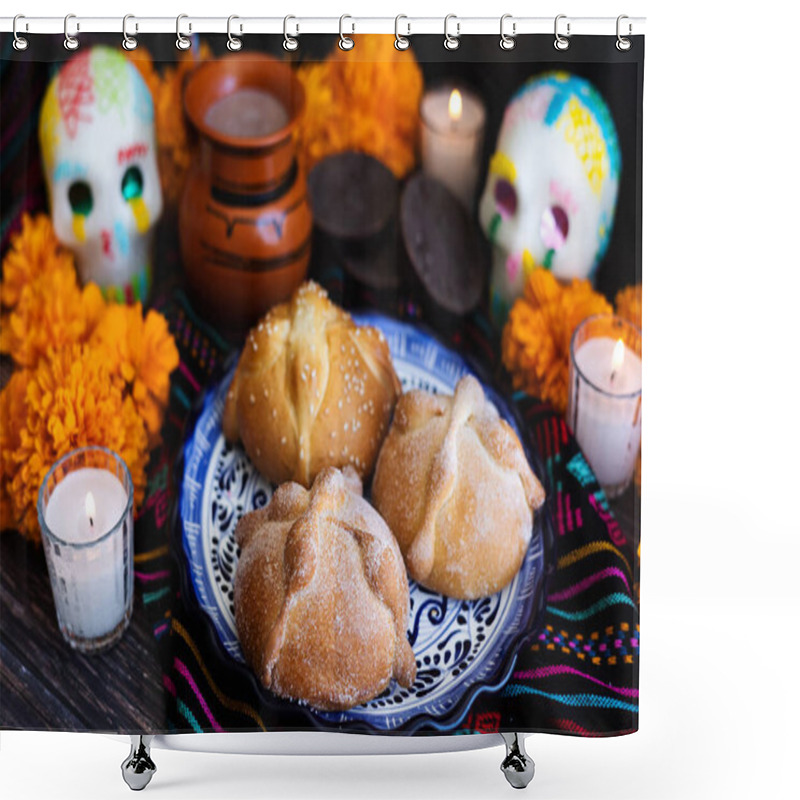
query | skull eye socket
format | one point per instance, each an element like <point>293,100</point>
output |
<point>80,198</point>
<point>132,183</point>
<point>505,197</point>
<point>554,228</point>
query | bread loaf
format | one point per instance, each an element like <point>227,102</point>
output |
<point>312,390</point>
<point>321,595</point>
<point>454,486</point>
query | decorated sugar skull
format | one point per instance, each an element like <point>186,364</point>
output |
<point>551,191</point>
<point>99,151</point>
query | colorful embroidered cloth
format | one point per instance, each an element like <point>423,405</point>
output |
<point>580,676</point>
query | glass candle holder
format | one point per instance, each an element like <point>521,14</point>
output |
<point>605,397</point>
<point>85,511</point>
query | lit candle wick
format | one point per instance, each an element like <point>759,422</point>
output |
<point>455,107</point>
<point>617,358</point>
<point>90,508</point>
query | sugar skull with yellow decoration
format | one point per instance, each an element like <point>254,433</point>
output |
<point>98,143</point>
<point>551,191</point>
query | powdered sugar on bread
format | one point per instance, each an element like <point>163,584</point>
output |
<point>454,486</point>
<point>321,595</point>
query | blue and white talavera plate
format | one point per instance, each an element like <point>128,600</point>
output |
<point>462,647</point>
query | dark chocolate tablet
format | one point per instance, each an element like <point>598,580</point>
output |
<point>444,245</point>
<point>353,195</point>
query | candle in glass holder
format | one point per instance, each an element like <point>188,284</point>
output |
<point>605,398</point>
<point>453,121</point>
<point>86,518</point>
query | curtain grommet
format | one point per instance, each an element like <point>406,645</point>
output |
<point>20,42</point>
<point>290,43</point>
<point>129,42</point>
<point>508,41</point>
<point>234,42</point>
<point>182,42</point>
<point>345,42</point>
<point>71,43</point>
<point>623,43</point>
<point>401,42</point>
<point>452,42</point>
<point>561,43</point>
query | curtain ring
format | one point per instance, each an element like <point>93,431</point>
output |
<point>289,42</point>
<point>129,42</point>
<point>623,43</point>
<point>234,43</point>
<point>20,42</point>
<point>561,42</point>
<point>182,42</point>
<point>345,42</point>
<point>451,42</point>
<point>70,42</point>
<point>507,42</point>
<point>401,42</point>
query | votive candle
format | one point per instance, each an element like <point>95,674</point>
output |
<point>605,398</point>
<point>86,519</point>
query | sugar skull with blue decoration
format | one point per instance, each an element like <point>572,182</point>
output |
<point>97,135</point>
<point>551,191</point>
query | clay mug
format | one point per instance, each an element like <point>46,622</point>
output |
<point>244,218</point>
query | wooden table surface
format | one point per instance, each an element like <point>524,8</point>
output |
<point>44,683</point>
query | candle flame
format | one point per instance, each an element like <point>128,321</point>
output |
<point>618,357</point>
<point>455,106</point>
<point>90,507</point>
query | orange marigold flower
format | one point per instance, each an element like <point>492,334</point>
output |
<point>92,373</point>
<point>629,304</point>
<point>35,251</point>
<point>537,336</point>
<point>43,305</point>
<point>71,401</point>
<point>50,312</point>
<point>365,100</point>
<point>143,354</point>
<point>12,420</point>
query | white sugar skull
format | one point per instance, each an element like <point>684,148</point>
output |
<point>551,192</point>
<point>99,150</point>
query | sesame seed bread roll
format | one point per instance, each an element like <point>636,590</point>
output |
<point>312,390</point>
<point>321,595</point>
<point>455,488</point>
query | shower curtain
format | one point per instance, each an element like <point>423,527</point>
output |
<point>442,223</point>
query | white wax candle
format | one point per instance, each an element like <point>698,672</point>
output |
<point>606,414</point>
<point>452,135</point>
<point>90,593</point>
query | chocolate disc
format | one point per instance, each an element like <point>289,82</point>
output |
<point>353,196</point>
<point>378,265</point>
<point>443,244</point>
